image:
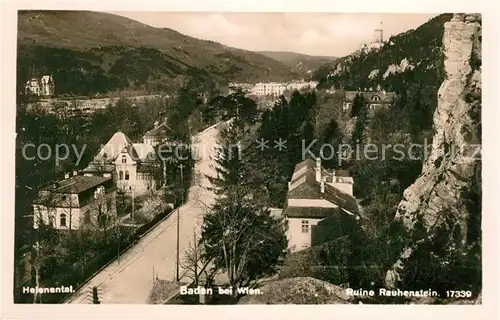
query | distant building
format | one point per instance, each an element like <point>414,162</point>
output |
<point>76,202</point>
<point>373,99</point>
<point>272,88</point>
<point>134,166</point>
<point>269,89</point>
<point>45,86</point>
<point>300,85</point>
<point>315,194</point>
<point>157,135</point>
<point>376,43</point>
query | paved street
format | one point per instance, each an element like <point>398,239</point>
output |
<point>130,279</point>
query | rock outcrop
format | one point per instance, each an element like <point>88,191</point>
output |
<point>453,163</point>
<point>300,290</point>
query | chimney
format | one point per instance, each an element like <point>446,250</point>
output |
<point>318,169</point>
<point>75,173</point>
<point>156,123</point>
<point>322,186</point>
<point>66,175</point>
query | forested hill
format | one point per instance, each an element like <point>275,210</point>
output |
<point>412,60</point>
<point>302,64</point>
<point>90,52</point>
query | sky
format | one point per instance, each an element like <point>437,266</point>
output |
<point>321,34</point>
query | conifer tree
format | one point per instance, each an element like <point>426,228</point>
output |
<point>362,116</point>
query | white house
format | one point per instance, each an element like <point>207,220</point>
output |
<point>311,199</point>
<point>269,89</point>
<point>45,86</point>
<point>76,202</point>
<point>134,166</point>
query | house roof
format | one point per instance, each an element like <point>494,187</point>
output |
<point>302,167</point>
<point>76,184</point>
<point>309,212</point>
<point>118,143</point>
<point>144,151</point>
<point>99,166</point>
<point>159,131</point>
<point>342,173</point>
<point>46,79</point>
<point>306,187</point>
<point>369,96</point>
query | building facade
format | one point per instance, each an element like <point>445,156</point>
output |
<point>272,88</point>
<point>373,99</point>
<point>158,134</point>
<point>133,166</point>
<point>45,86</point>
<point>76,202</point>
<point>315,194</point>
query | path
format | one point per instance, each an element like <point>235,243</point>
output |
<point>130,279</point>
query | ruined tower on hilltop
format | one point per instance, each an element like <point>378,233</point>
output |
<point>379,35</point>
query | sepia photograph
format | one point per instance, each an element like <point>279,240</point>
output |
<point>243,158</point>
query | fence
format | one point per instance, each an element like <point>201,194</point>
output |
<point>137,235</point>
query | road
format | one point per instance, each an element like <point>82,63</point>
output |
<point>130,279</point>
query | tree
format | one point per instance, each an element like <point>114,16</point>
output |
<point>357,105</point>
<point>361,119</point>
<point>46,247</point>
<point>244,241</point>
<point>239,235</point>
<point>195,264</point>
<point>231,172</point>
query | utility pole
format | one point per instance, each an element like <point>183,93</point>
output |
<point>118,239</point>
<point>195,258</point>
<point>133,206</point>
<point>181,166</point>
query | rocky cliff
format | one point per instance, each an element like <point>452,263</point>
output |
<point>437,212</point>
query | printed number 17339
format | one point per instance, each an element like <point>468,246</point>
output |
<point>458,294</point>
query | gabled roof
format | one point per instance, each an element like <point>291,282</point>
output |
<point>307,187</point>
<point>386,97</point>
<point>159,131</point>
<point>118,143</point>
<point>99,167</point>
<point>302,167</point>
<point>76,184</point>
<point>145,151</point>
<point>46,79</point>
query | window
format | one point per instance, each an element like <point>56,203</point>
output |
<point>305,226</point>
<point>62,221</point>
<point>124,159</point>
<point>376,98</point>
<point>120,175</point>
<point>127,176</point>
